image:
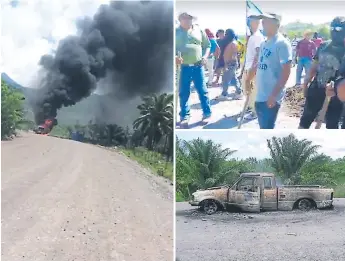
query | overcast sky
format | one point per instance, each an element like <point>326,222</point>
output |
<point>252,143</point>
<point>232,13</point>
<point>31,28</point>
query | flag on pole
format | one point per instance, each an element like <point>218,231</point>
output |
<point>251,9</point>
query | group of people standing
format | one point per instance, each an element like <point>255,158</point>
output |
<point>266,69</point>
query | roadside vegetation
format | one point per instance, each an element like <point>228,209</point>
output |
<point>149,141</point>
<point>202,164</point>
<point>12,112</point>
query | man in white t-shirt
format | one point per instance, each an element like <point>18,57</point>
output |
<point>252,53</point>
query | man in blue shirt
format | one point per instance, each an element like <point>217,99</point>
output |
<point>273,71</point>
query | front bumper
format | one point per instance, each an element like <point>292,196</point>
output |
<point>194,203</point>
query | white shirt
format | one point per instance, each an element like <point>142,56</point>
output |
<point>254,42</point>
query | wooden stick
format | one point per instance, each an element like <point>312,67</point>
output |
<point>244,110</point>
<point>178,72</point>
<point>322,114</point>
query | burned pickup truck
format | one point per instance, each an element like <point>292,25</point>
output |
<point>46,127</point>
<point>254,192</point>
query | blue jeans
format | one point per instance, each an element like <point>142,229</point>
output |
<point>266,116</point>
<point>196,74</point>
<point>303,63</point>
<point>229,77</point>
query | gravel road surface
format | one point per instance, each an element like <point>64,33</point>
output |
<point>64,200</point>
<point>317,235</point>
<point>225,114</point>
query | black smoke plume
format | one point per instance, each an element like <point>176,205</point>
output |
<point>130,43</point>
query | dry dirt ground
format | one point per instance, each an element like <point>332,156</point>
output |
<point>63,200</point>
<point>317,235</point>
<point>225,114</point>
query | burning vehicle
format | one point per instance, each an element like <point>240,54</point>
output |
<point>46,127</point>
<point>254,192</point>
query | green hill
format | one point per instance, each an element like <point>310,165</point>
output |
<point>298,28</point>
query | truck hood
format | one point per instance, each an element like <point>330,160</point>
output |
<point>217,193</point>
<point>212,188</point>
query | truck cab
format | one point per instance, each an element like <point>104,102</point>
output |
<point>254,192</point>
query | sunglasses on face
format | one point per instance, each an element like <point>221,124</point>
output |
<point>336,28</point>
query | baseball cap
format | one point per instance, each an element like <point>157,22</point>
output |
<point>269,16</point>
<point>186,14</point>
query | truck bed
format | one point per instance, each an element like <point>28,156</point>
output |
<point>301,186</point>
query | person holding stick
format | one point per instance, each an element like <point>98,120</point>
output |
<point>252,54</point>
<point>339,89</point>
<point>326,68</point>
<point>273,71</point>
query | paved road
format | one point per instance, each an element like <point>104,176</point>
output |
<point>271,236</point>
<point>226,113</point>
<point>64,200</point>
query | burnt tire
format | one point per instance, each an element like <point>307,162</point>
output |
<point>210,206</point>
<point>305,204</point>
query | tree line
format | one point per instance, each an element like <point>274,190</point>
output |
<point>201,164</point>
<point>153,129</point>
<point>298,28</point>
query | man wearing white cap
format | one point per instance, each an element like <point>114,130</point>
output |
<point>273,71</point>
<point>252,53</point>
<point>190,42</point>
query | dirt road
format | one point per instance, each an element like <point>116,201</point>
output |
<point>271,236</point>
<point>225,114</point>
<point>64,200</point>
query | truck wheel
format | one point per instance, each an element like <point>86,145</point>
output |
<point>210,207</point>
<point>305,204</point>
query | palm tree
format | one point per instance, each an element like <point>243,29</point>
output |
<point>289,155</point>
<point>201,164</point>
<point>156,120</point>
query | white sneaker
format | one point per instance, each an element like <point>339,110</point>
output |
<point>250,116</point>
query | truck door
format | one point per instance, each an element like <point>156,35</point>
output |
<point>247,194</point>
<point>269,195</point>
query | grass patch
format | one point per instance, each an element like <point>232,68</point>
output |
<point>339,190</point>
<point>179,197</point>
<point>152,160</point>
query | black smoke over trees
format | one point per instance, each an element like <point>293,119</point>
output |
<point>129,44</point>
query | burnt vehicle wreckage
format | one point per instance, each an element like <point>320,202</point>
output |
<point>46,127</point>
<point>254,192</point>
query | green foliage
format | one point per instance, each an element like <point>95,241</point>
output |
<point>151,143</point>
<point>156,120</point>
<point>289,155</point>
<point>152,160</point>
<point>11,110</point>
<point>201,164</point>
<point>298,28</point>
